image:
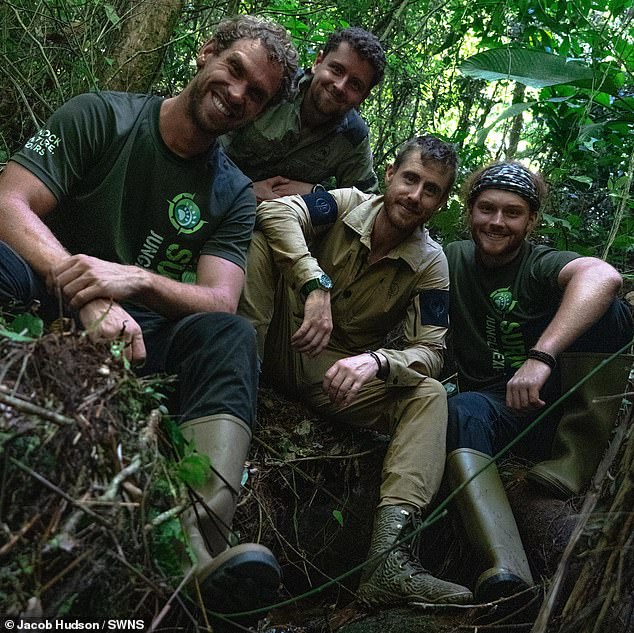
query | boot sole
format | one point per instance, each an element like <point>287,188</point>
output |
<point>242,578</point>
<point>388,599</point>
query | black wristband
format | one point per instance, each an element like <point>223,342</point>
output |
<point>544,357</point>
<point>381,374</point>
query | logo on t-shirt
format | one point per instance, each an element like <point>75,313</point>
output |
<point>44,141</point>
<point>502,299</point>
<point>184,213</point>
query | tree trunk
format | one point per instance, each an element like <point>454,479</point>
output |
<point>138,54</point>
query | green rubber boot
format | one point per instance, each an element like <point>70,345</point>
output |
<point>397,577</point>
<point>585,427</point>
<point>490,526</point>
<point>231,579</point>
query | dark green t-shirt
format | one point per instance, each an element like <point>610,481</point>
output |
<point>497,314</point>
<point>125,197</point>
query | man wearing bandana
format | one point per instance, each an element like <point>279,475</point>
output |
<point>528,322</point>
<point>329,275</point>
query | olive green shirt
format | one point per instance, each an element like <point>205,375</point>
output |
<point>276,144</point>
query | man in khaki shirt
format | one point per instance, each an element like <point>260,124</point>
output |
<point>329,274</point>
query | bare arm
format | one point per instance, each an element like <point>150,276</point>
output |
<point>82,278</point>
<point>590,285</point>
<point>24,200</point>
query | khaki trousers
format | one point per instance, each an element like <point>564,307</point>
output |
<point>414,417</point>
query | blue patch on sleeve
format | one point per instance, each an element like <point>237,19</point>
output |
<point>322,208</point>
<point>434,307</point>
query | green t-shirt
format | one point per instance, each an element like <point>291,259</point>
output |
<point>125,197</point>
<point>497,314</point>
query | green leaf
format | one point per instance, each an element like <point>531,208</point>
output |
<point>586,180</point>
<point>338,517</point>
<point>111,14</point>
<point>510,112</point>
<point>537,69</point>
<point>14,336</point>
<point>24,328</point>
<point>194,469</point>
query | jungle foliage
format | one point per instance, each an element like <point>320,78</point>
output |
<point>549,82</point>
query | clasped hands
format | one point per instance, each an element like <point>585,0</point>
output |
<point>95,288</point>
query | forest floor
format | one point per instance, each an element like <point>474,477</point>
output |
<point>88,526</point>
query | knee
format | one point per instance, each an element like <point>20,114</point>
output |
<point>430,388</point>
<point>215,335</point>
<point>467,425</point>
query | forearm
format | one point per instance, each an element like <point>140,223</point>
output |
<point>587,296</point>
<point>175,299</point>
<point>26,233</point>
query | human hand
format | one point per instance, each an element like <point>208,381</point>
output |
<point>292,187</point>
<point>522,390</point>
<point>104,320</point>
<point>314,333</point>
<point>80,279</point>
<point>267,189</point>
<point>345,378</point>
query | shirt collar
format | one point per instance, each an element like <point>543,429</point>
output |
<point>413,251</point>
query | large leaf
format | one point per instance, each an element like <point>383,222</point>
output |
<point>537,69</point>
<point>511,111</point>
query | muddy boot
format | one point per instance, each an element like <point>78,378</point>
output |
<point>585,427</point>
<point>489,525</point>
<point>397,577</point>
<point>231,579</point>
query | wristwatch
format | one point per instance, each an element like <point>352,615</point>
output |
<point>323,282</point>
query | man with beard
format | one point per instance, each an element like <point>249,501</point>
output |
<point>528,322</point>
<point>319,136</point>
<point>124,209</point>
<point>371,265</point>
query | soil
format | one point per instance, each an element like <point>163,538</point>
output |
<point>88,484</point>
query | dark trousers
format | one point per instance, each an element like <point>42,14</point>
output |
<point>482,421</point>
<point>213,354</point>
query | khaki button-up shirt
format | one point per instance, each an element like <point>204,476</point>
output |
<point>367,300</point>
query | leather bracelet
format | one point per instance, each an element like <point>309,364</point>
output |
<point>380,374</point>
<point>544,357</point>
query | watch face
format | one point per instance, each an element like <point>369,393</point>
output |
<point>325,282</point>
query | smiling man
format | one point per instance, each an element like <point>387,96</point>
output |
<point>371,265</point>
<point>527,323</point>
<point>124,209</point>
<point>318,136</point>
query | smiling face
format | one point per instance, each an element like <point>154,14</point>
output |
<point>415,191</point>
<point>232,87</point>
<point>500,221</point>
<point>342,79</point>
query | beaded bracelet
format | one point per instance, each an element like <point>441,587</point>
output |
<point>544,357</point>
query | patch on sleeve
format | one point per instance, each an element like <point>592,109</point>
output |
<point>434,307</point>
<point>322,207</point>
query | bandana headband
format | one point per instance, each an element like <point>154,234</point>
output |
<point>511,177</point>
